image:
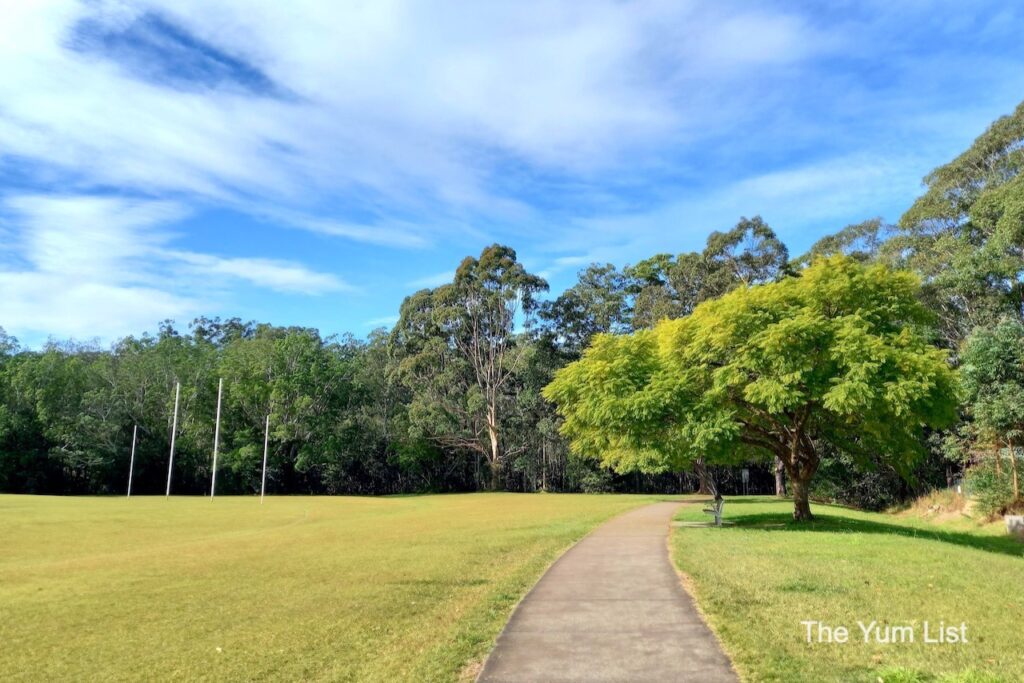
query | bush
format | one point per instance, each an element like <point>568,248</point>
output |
<point>873,485</point>
<point>586,476</point>
<point>992,493</point>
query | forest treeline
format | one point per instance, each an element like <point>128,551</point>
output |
<point>450,399</point>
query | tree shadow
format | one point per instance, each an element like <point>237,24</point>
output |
<point>824,522</point>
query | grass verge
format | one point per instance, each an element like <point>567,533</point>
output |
<point>759,578</point>
<point>375,589</point>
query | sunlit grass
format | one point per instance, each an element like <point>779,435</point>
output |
<point>300,588</point>
<point>757,580</point>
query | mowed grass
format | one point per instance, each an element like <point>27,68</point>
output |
<point>300,588</point>
<point>756,581</point>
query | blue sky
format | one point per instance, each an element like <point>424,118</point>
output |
<point>312,163</point>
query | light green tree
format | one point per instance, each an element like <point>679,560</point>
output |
<point>831,355</point>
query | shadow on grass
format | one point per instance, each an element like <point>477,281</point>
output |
<point>824,522</point>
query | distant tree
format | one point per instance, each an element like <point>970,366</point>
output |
<point>993,374</point>
<point>598,302</point>
<point>860,241</point>
<point>670,287</point>
<point>831,356</point>
<point>462,352</point>
<point>965,234</point>
<point>8,344</point>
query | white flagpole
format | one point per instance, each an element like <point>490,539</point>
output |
<point>266,440</point>
<point>131,464</point>
<point>216,439</point>
<point>174,432</point>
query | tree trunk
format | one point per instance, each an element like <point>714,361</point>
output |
<point>801,502</point>
<point>496,480</point>
<point>999,460</point>
<point>707,485</point>
<point>1013,468</point>
<point>780,477</point>
<point>544,466</point>
<point>801,464</point>
<point>495,455</point>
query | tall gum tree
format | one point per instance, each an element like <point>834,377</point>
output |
<point>463,351</point>
<point>832,355</point>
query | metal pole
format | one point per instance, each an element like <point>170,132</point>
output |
<point>266,441</point>
<point>216,439</point>
<point>131,463</point>
<point>174,432</point>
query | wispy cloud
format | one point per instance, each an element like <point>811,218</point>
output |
<point>90,266</point>
<point>280,276</point>
<point>600,131</point>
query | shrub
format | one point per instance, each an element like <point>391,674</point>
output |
<point>992,492</point>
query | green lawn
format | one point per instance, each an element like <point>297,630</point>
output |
<point>757,581</point>
<point>405,588</point>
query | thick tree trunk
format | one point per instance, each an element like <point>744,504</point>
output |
<point>801,463</point>
<point>706,483</point>
<point>801,501</point>
<point>780,478</point>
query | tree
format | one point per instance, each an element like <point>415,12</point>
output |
<point>463,352</point>
<point>860,241</point>
<point>598,302</point>
<point>831,356</point>
<point>965,234</point>
<point>993,373</point>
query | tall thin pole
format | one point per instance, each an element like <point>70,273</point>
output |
<point>174,432</point>
<point>216,439</point>
<point>266,441</point>
<point>131,463</point>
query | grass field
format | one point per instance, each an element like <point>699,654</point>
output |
<point>757,581</point>
<point>406,588</point>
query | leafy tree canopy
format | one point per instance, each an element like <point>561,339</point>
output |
<point>831,355</point>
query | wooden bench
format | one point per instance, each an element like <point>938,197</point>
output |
<point>716,509</point>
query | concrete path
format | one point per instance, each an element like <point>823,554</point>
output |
<point>610,609</point>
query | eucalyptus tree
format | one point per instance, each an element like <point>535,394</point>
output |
<point>670,287</point>
<point>860,241</point>
<point>463,351</point>
<point>598,302</point>
<point>965,234</point>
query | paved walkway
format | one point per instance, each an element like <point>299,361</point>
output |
<point>610,609</point>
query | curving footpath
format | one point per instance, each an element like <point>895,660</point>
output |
<point>610,609</point>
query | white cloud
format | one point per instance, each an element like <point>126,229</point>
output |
<point>610,128</point>
<point>104,266</point>
<point>800,203</point>
<point>280,276</point>
<point>393,106</point>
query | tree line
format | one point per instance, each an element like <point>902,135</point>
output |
<point>452,398</point>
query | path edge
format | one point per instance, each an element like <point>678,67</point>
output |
<point>689,587</point>
<point>481,664</point>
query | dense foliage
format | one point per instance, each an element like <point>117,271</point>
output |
<point>827,357</point>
